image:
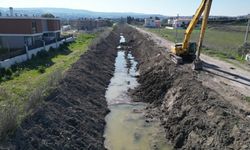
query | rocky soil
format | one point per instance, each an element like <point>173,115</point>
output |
<point>73,115</point>
<point>194,116</point>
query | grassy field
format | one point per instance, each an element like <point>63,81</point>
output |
<point>32,80</point>
<point>221,41</point>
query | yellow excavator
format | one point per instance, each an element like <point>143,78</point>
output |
<point>190,50</point>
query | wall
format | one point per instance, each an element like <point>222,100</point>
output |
<point>24,26</point>
<point>39,27</point>
<point>22,58</point>
<point>44,25</point>
<point>12,42</point>
<point>9,62</point>
<point>15,26</point>
<point>53,25</point>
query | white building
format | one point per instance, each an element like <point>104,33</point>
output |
<point>66,28</point>
<point>152,23</point>
<point>149,22</point>
<point>181,22</point>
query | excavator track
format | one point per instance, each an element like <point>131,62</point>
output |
<point>176,59</point>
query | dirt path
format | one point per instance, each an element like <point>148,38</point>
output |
<point>230,81</point>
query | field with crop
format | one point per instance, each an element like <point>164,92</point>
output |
<point>220,41</point>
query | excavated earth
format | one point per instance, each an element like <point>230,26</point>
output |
<point>194,116</point>
<point>73,116</point>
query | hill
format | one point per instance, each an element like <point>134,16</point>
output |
<point>74,13</point>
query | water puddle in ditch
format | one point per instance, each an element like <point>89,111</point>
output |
<point>126,128</point>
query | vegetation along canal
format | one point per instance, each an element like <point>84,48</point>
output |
<point>126,128</point>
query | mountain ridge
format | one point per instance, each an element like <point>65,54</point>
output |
<point>75,13</point>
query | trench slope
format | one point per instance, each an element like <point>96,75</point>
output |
<point>73,116</point>
<point>194,116</point>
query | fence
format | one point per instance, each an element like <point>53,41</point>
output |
<point>6,54</point>
<point>17,56</point>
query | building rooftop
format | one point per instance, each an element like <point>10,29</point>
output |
<point>27,17</point>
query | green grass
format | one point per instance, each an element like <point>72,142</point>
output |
<point>247,99</point>
<point>30,77</point>
<point>218,42</point>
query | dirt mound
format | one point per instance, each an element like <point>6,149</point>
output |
<point>73,115</point>
<point>194,116</point>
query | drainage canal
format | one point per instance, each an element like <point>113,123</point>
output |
<point>126,128</point>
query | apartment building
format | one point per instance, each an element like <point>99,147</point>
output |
<point>89,24</point>
<point>18,32</point>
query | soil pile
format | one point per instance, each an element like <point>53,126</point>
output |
<point>73,115</point>
<point>194,116</point>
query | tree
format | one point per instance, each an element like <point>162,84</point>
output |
<point>129,19</point>
<point>48,15</point>
<point>157,18</point>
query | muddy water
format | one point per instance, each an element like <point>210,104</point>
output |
<point>126,128</point>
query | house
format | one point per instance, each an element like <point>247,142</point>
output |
<point>152,23</point>
<point>18,32</point>
<point>181,22</point>
<point>22,37</point>
<point>157,23</point>
<point>66,28</point>
<point>89,24</point>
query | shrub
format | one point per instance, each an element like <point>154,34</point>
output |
<point>2,72</point>
<point>16,73</point>
<point>7,77</point>
<point>52,50</point>
<point>37,96</point>
<point>33,56</point>
<point>8,119</point>
<point>42,54</point>
<point>41,69</point>
<point>34,99</point>
<point>63,47</point>
<point>8,72</point>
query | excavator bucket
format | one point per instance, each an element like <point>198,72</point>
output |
<point>197,65</point>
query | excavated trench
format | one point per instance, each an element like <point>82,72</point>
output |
<point>115,99</point>
<point>126,128</point>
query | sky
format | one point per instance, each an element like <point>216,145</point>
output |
<point>164,7</point>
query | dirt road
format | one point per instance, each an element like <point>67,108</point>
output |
<point>230,81</point>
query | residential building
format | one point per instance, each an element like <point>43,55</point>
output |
<point>89,24</point>
<point>157,23</point>
<point>17,32</point>
<point>181,22</point>
<point>152,23</point>
<point>66,28</point>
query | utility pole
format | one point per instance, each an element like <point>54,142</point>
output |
<point>248,24</point>
<point>176,28</point>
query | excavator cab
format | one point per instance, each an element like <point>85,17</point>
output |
<point>179,55</point>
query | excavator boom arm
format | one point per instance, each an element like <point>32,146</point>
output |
<point>204,26</point>
<point>193,23</point>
